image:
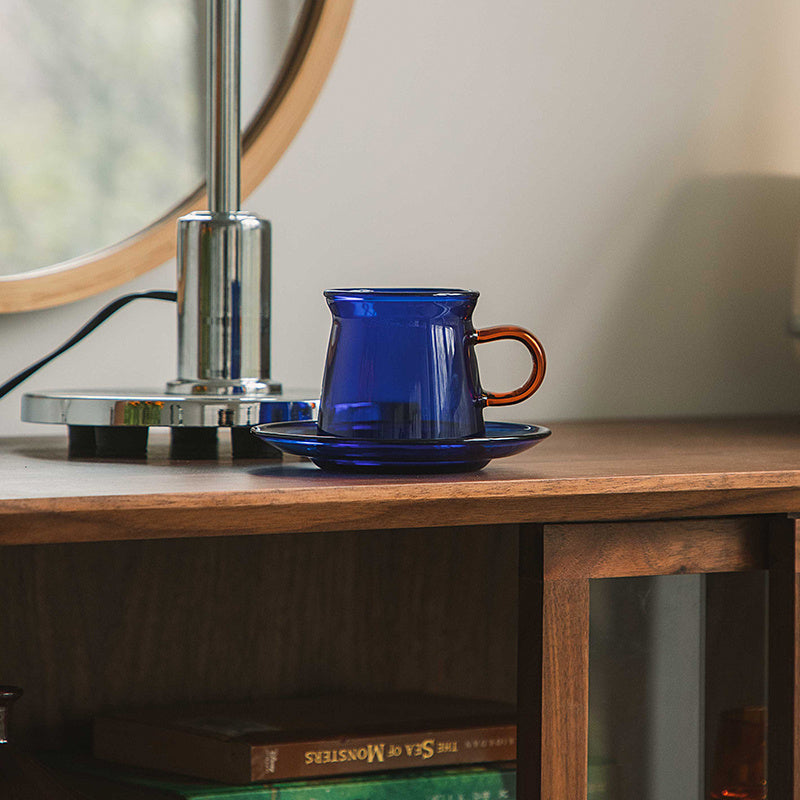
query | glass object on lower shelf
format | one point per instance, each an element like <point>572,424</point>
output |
<point>739,762</point>
<point>21,776</point>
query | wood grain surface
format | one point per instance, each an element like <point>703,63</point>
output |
<point>783,677</point>
<point>91,627</point>
<point>553,683</point>
<point>656,547</point>
<point>583,472</point>
<point>530,662</point>
<point>565,689</point>
<point>93,620</point>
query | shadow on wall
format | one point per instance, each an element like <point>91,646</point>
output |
<point>701,326</point>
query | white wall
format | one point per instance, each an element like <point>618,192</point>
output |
<point>618,176</point>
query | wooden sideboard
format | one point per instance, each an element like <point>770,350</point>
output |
<point>127,581</point>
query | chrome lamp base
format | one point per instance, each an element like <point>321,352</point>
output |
<point>115,423</point>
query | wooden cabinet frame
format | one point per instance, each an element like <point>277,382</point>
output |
<point>556,564</point>
<point>596,500</point>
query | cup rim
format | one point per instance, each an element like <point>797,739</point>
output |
<point>400,292</point>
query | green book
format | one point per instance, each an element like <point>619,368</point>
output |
<point>96,780</point>
<point>602,781</point>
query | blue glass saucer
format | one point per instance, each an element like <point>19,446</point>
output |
<point>400,456</point>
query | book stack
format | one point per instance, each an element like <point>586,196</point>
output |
<point>98,781</point>
<point>364,747</point>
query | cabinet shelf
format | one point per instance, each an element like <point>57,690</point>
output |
<point>584,472</point>
<point>132,582</point>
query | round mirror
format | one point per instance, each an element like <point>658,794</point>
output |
<point>91,157</point>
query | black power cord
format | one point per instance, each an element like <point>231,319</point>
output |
<point>100,317</point>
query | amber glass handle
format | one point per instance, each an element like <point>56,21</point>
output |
<point>537,355</point>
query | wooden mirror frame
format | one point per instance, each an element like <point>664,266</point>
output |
<point>309,59</point>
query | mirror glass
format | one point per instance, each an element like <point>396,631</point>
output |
<point>104,124</point>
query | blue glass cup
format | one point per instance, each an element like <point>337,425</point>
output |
<point>401,365</point>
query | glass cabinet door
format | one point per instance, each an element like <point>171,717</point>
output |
<point>677,687</point>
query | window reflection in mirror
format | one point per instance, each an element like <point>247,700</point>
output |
<point>103,125</point>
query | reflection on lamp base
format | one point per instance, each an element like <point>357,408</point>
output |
<point>115,424</point>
